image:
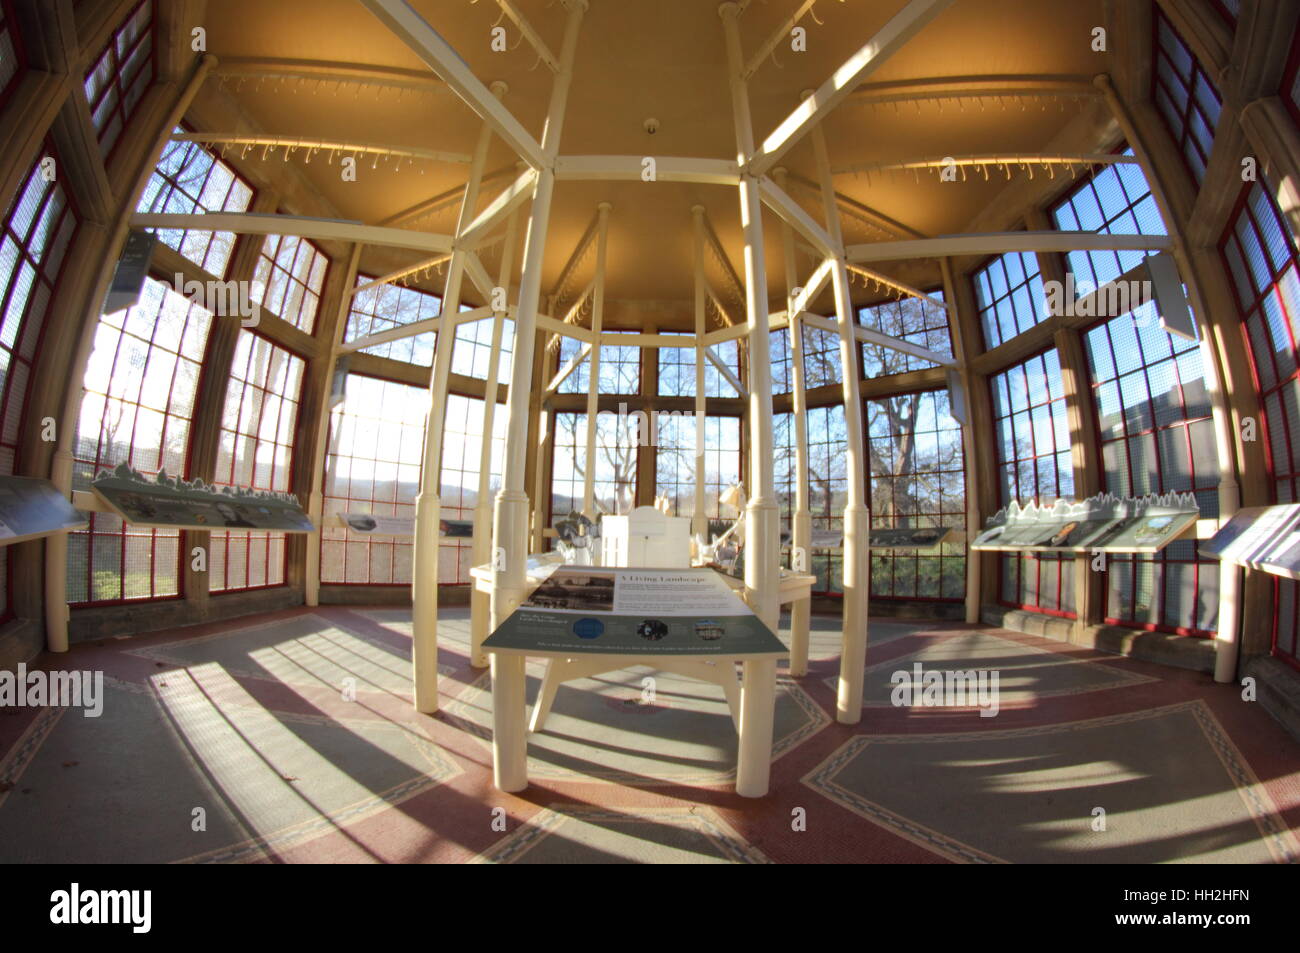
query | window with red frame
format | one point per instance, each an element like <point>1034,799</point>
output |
<point>1034,464</point>
<point>462,448</point>
<point>918,481</point>
<point>677,368</point>
<point>620,368</point>
<point>1009,297</point>
<point>782,361</point>
<point>121,74</point>
<point>387,306</point>
<point>290,274</point>
<point>1290,91</point>
<point>189,179</point>
<point>827,485</point>
<point>1152,407</point>
<point>821,357</point>
<point>372,468</point>
<point>473,349</point>
<point>1184,97</point>
<point>1156,435</point>
<point>1263,264</point>
<point>136,408</point>
<point>256,444</point>
<point>34,238</point>
<point>1230,10</point>
<point>11,61</point>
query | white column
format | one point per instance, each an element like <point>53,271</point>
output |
<point>510,527</point>
<point>699,519</point>
<point>857,519</point>
<point>428,505</point>
<point>762,524</point>
<point>481,547</point>
<point>801,524</point>
<point>315,496</point>
<point>593,362</point>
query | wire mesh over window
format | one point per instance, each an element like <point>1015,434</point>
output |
<point>1009,296</point>
<point>1184,97</point>
<point>190,179</point>
<point>910,319</point>
<point>677,369</point>
<point>136,408</point>
<point>473,350</point>
<point>255,450</point>
<point>372,466</point>
<point>1117,200</point>
<point>918,481</point>
<point>462,448</point>
<point>827,483</point>
<point>121,74</point>
<point>34,238</point>
<point>288,280</point>
<point>388,306</point>
<point>620,368</point>
<point>618,443</point>
<point>1034,464</point>
<point>1265,272</point>
<point>675,469</point>
<point>1155,436</point>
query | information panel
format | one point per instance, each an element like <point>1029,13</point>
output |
<point>586,610</point>
<point>173,504</point>
<point>1101,523</point>
<point>1260,537</point>
<point>31,508</point>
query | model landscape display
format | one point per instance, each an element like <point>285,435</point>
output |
<point>170,502</point>
<point>30,508</point>
<point>1102,523</point>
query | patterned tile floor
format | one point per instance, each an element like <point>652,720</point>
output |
<point>290,737</point>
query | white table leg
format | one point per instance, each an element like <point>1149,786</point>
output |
<point>509,735</point>
<point>757,708</point>
<point>800,622</point>
<point>546,694</point>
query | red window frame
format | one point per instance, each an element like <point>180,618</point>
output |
<point>910,319</point>
<point>826,497</point>
<point>161,355</point>
<point>277,386</point>
<point>675,461</point>
<point>1263,264</point>
<point>578,447</point>
<point>38,227</point>
<point>127,90</point>
<point>1046,567</point>
<point>393,553</point>
<point>896,576</point>
<point>290,274</point>
<point>389,306</point>
<point>1001,293</point>
<point>187,189</point>
<point>11,51</point>
<point>1191,110</point>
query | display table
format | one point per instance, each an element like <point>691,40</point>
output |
<point>575,618</point>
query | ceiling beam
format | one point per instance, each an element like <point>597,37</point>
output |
<point>426,42</point>
<point>329,229</point>
<point>327,71</point>
<point>776,198</point>
<point>532,36</point>
<point>855,209</point>
<point>991,86</point>
<point>902,27</point>
<point>993,243</point>
<point>632,168</point>
<point>510,198</point>
<point>781,33</point>
<point>816,283</point>
<point>442,200</point>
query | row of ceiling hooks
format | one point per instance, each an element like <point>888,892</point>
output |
<point>332,86</point>
<point>1005,103</point>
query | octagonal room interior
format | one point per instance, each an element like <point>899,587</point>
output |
<point>587,431</point>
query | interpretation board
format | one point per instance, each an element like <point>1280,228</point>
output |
<point>401,525</point>
<point>584,610</point>
<point>1260,537</point>
<point>909,538</point>
<point>173,504</point>
<point>1102,523</point>
<point>31,508</point>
